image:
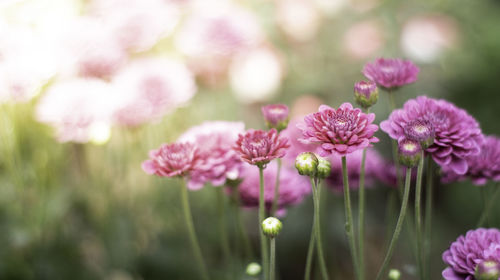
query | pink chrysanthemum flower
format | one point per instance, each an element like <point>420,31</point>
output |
<point>149,88</point>
<point>293,187</point>
<point>391,72</point>
<point>170,160</point>
<point>276,116</point>
<point>457,134</point>
<point>217,161</point>
<point>482,167</point>
<point>340,131</point>
<point>259,147</point>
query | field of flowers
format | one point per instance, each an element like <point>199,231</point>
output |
<point>245,140</point>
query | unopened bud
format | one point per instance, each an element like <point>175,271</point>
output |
<point>487,270</point>
<point>365,93</point>
<point>410,152</point>
<point>394,274</point>
<point>276,116</point>
<point>253,269</point>
<point>271,227</point>
<point>324,168</point>
<point>307,164</point>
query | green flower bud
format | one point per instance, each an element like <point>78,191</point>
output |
<point>253,269</point>
<point>307,164</point>
<point>324,168</point>
<point>394,274</point>
<point>271,227</point>
<point>410,152</point>
<point>488,270</point>
<point>366,93</point>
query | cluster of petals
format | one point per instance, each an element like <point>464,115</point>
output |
<point>468,251</point>
<point>217,161</point>
<point>482,167</point>
<point>292,189</point>
<point>259,147</point>
<point>457,134</point>
<point>170,160</point>
<point>339,131</point>
<point>391,72</point>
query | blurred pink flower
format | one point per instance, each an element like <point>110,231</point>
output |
<point>149,88</point>
<point>391,73</point>
<point>217,159</point>
<point>77,109</point>
<point>293,133</point>
<point>299,19</point>
<point>364,39</point>
<point>170,160</point>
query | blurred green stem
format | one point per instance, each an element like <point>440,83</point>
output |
<point>310,252</point>
<point>263,240</point>
<point>361,215</point>
<point>394,144</point>
<point>488,205</point>
<point>241,226</point>
<point>349,221</point>
<point>276,189</point>
<point>192,234</point>
<point>272,263</point>
<point>428,217</point>
<point>418,217</point>
<point>221,211</point>
<point>317,228</point>
<point>399,226</point>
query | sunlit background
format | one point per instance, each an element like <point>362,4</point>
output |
<point>88,87</point>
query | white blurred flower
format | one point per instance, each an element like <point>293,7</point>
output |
<point>78,109</point>
<point>149,88</point>
<point>424,38</point>
<point>299,19</point>
<point>256,76</point>
<point>331,7</point>
<point>364,39</point>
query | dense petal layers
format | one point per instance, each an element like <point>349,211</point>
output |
<point>259,147</point>
<point>391,72</point>
<point>170,160</point>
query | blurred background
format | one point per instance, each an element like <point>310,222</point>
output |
<point>88,87</point>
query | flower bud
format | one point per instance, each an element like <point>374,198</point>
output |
<point>271,227</point>
<point>365,93</point>
<point>487,270</point>
<point>394,274</point>
<point>276,116</point>
<point>307,164</point>
<point>410,152</point>
<point>324,167</point>
<point>421,131</point>
<point>253,269</point>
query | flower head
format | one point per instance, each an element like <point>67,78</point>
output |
<point>488,270</point>
<point>307,164</point>
<point>421,131</point>
<point>391,72</point>
<point>324,168</point>
<point>340,131</point>
<point>271,227</point>
<point>170,160</point>
<point>409,152</point>
<point>366,93</point>
<point>259,147</point>
<point>276,116</point>
<point>483,166</point>
<point>469,251</point>
<point>217,161</point>
<point>457,134</point>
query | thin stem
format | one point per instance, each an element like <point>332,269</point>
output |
<point>428,217</point>
<point>394,145</point>
<point>418,216</point>
<point>310,252</point>
<point>276,188</point>
<point>221,210</point>
<point>241,226</point>
<point>488,206</point>
<point>349,221</point>
<point>272,262</point>
<point>361,218</point>
<point>399,225</point>
<point>263,240</point>
<point>317,229</point>
<point>192,234</point>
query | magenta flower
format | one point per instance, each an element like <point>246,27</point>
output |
<point>170,160</point>
<point>276,116</point>
<point>466,253</point>
<point>341,131</point>
<point>482,167</point>
<point>391,72</point>
<point>457,134</point>
<point>293,187</point>
<point>259,147</point>
<point>217,161</point>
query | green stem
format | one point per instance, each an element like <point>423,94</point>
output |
<point>361,218</point>
<point>276,189</point>
<point>399,226</point>
<point>310,252</point>
<point>428,217</point>
<point>192,235</point>
<point>221,210</point>
<point>418,217</point>
<point>488,206</point>
<point>317,230</point>
<point>241,226</point>
<point>263,240</point>
<point>394,144</point>
<point>272,262</point>
<point>349,221</point>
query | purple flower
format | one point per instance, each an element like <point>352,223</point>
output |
<point>276,116</point>
<point>259,147</point>
<point>466,253</point>
<point>340,131</point>
<point>365,93</point>
<point>217,161</point>
<point>170,160</point>
<point>391,72</point>
<point>457,134</point>
<point>483,166</point>
<point>374,165</point>
<point>409,152</point>
<point>293,187</point>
